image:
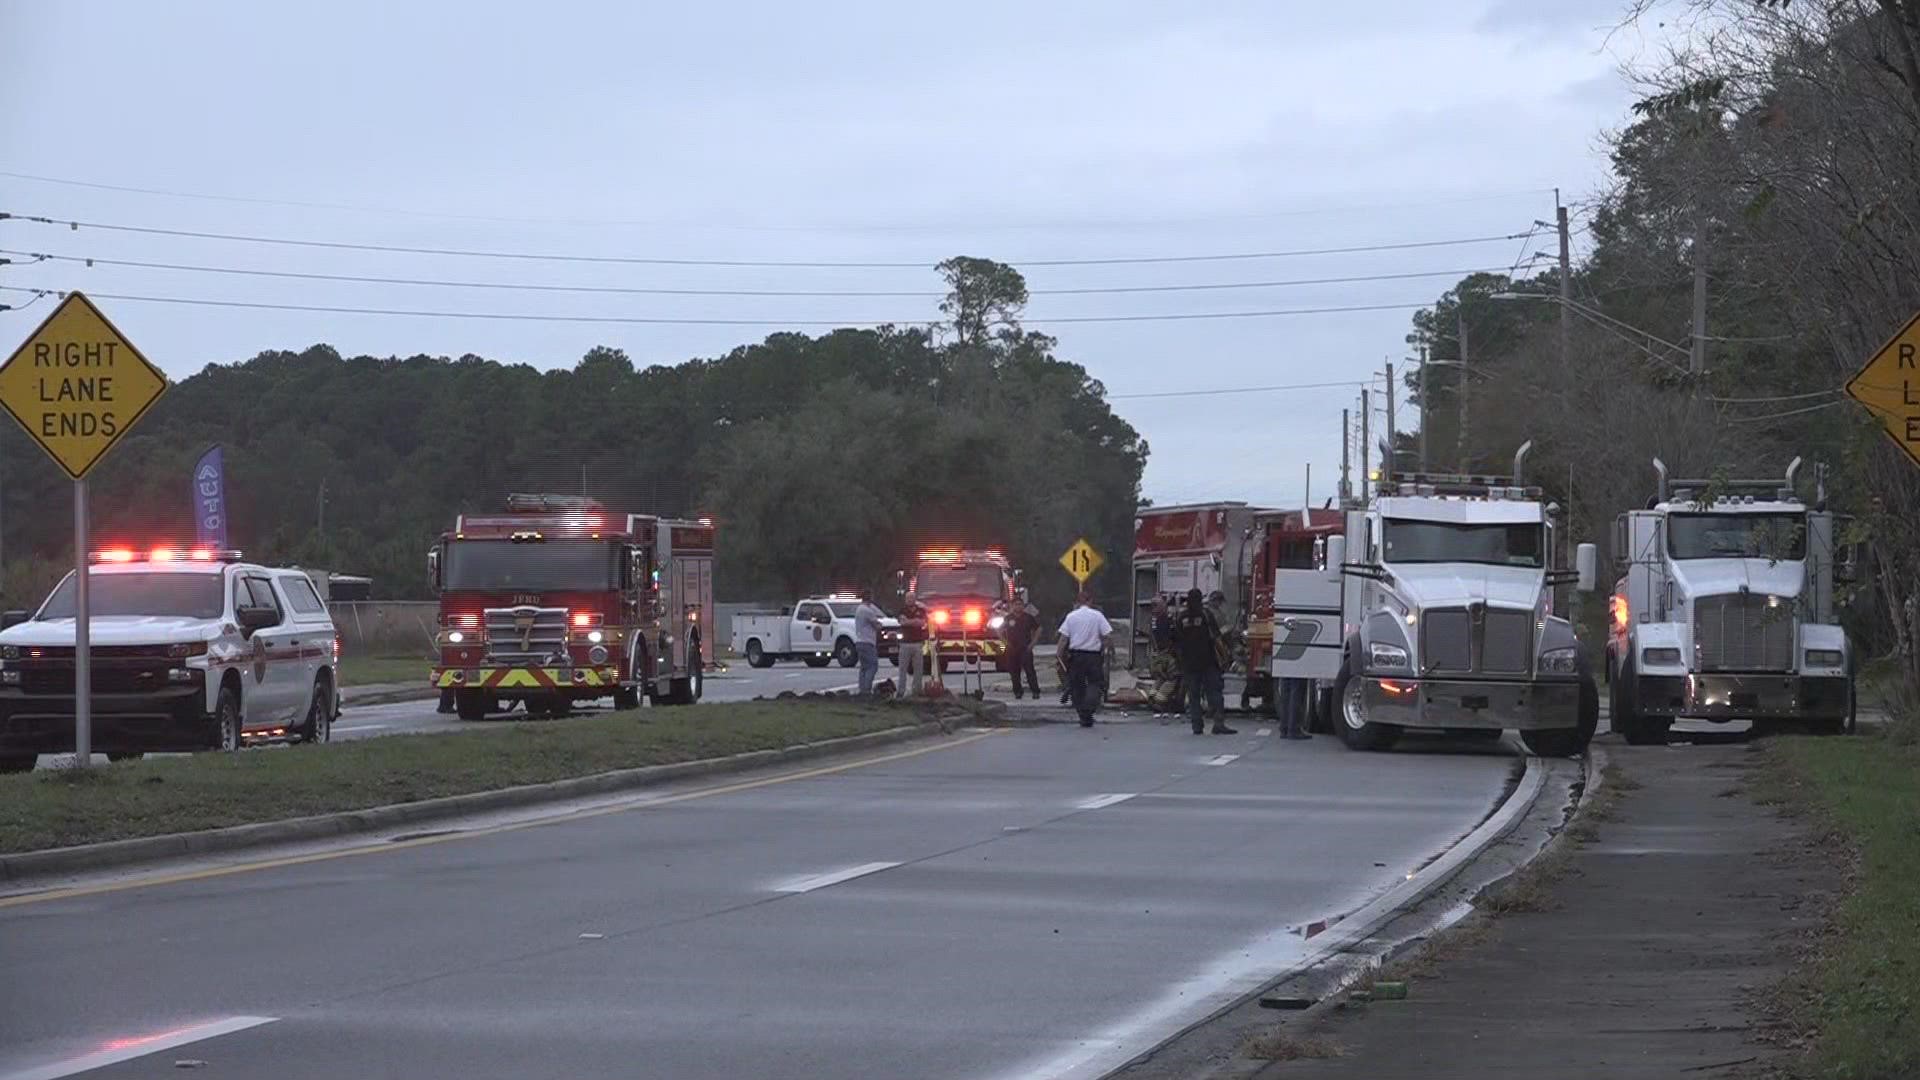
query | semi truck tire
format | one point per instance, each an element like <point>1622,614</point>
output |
<point>1638,730</point>
<point>1566,742</point>
<point>845,653</point>
<point>1350,714</point>
<point>470,704</point>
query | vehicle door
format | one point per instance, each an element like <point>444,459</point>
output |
<point>1307,624</point>
<point>314,637</point>
<point>275,685</point>
<point>812,628</point>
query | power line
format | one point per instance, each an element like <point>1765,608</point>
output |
<point>1235,390</point>
<point>742,227</point>
<point>1782,397</point>
<point>650,291</point>
<point>1780,415</point>
<point>503,316</point>
<point>654,260</point>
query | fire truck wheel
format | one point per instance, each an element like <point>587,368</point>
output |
<point>626,698</point>
<point>1350,708</point>
<point>470,704</point>
<point>17,763</point>
<point>819,661</point>
<point>845,653</point>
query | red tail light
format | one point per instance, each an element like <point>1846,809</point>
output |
<point>116,555</point>
<point>336,650</point>
<point>941,617</point>
<point>971,618</point>
<point>468,620</point>
<point>161,554</point>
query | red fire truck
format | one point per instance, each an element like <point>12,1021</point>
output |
<point>966,594</point>
<point>1201,546</point>
<point>1283,542</point>
<point>560,600</point>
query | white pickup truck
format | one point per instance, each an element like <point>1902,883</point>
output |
<point>818,630</point>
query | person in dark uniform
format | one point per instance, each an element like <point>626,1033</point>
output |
<point>1021,630</point>
<point>1197,636</point>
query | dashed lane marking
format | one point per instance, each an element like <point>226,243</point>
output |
<point>832,877</point>
<point>1098,801</point>
<point>115,1051</point>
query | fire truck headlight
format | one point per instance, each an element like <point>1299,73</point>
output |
<point>1381,655</point>
<point>594,637</point>
<point>597,654</point>
<point>455,637</point>
<point>1560,661</point>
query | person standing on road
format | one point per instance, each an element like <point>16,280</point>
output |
<point>1162,624</point>
<point>1021,630</point>
<point>1083,641</point>
<point>1197,633</point>
<point>1293,698</point>
<point>866,640</point>
<point>913,647</point>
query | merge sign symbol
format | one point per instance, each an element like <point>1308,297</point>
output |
<point>1081,560</point>
<point>77,385</point>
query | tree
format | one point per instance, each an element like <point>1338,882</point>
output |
<point>984,298</point>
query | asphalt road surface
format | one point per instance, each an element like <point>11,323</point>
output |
<point>994,904</point>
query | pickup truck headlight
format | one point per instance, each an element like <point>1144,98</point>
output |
<point>1664,657</point>
<point>187,648</point>
<point>9,652</point>
<point>1381,655</point>
<point>1825,658</point>
<point>1560,661</point>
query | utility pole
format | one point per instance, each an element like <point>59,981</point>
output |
<point>1346,444</point>
<point>1393,432</point>
<point>1460,436</point>
<point>1425,392</point>
<point>1366,438</point>
<point>1566,283</point>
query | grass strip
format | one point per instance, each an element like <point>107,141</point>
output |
<point>372,670</point>
<point>57,808</point>
<point>1866,973</point>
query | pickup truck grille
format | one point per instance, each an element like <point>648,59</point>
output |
<point>1741,632</point>
<point>1454,642</point>
<point>110,675</point>
<point>525,635</point>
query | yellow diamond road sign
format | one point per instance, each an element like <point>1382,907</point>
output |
<point>1889,386</point>
<point>77,385</point>
<point>1081,560</point>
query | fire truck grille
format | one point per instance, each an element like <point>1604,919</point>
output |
<point>525,635</point>
<point>1454,642</point>
<point>1743,632</point>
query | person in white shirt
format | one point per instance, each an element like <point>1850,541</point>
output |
<point>866,640</point>
<point>1083,641</point>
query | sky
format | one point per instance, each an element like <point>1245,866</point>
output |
<point>762,131</point>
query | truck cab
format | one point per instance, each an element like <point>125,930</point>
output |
<point>1725,609</point>
<point>1447,608</point>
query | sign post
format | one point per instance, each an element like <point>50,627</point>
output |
<point>77,385</point>
<point>1889,387</point>
<point>1082,560</point>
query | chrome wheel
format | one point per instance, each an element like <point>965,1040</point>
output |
<point>227,721</point>
<point>319,716</point>
<point>1353,704</point>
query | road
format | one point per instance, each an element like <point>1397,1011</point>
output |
<point>994,904</point>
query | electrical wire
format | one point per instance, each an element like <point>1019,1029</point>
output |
<point>1779,398</point>
<point>654,260</point>
<point>503,316</point>
<point>1781,415</point>
<point>648,291</point>
<point>1233,390</point>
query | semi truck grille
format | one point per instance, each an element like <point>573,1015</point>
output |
<point>1743,632</point>
<point>1453,642</point>
<point>525,635</point>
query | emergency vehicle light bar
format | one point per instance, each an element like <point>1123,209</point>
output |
<point>162,554</point>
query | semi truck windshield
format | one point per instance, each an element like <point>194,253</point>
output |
<point>1737,536</point>
<point>1517,544</point>
<point>540,566</point>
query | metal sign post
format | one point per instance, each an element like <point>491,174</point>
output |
<point>82,633</point>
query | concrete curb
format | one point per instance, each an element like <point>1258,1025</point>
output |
<point>121,853</point>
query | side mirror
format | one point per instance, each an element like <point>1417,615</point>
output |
<point>254,617</point>
<point>1584,559</point>
<point>433,569</point>
<point>1336,557</point>
<point>1622,555</point>
<point>14,618</point>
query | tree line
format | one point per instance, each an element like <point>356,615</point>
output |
<point>826,461</point>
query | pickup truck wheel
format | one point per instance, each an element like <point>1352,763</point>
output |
<point>1350,709</point>
<point>845,653</point>
<point>757,656</point>
<point>226,722</point>
<point>319,725</point>
<point>17,763</point>
<point>819,661</point>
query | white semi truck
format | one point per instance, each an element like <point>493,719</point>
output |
<point>1447,617</point>
<point>1726,609</point>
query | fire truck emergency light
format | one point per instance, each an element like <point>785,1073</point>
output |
<point>941,617</point>
<point>971,618</point>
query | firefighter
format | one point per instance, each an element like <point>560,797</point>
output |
<point>1197,632</point>
<point>1020,630</point>
<point>1083,641</point>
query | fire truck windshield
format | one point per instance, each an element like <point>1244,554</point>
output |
<point>1437,542</point>
<point>1737,536</point>
<point>986,581</point>
<point>540,566</point>
<point>188,595</point>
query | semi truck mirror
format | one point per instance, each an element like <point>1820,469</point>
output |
<point>1622,547</point>
<point>1585,560</point>
<point>1336,557</point>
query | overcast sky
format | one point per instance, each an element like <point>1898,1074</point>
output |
<point>760,130</point>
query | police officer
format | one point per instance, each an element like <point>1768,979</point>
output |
<point>1197,636</point>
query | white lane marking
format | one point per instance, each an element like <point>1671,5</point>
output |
<point>820,881</point>
<point>1264,732</point>
<point>838,689</point>
<point>1223,759</point>
<point>1099,801</point>
<point>361,727</point>
<point>118,1050</point>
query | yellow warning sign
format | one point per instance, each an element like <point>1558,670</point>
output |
<point>78,385</point>
<point>1081,560</point>
<point>1889,387</point>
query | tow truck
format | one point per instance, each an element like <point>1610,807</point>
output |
<point>1447,611</point>
<point>1726,609</point>
<point>966,594</point>
<point>560,600</point>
